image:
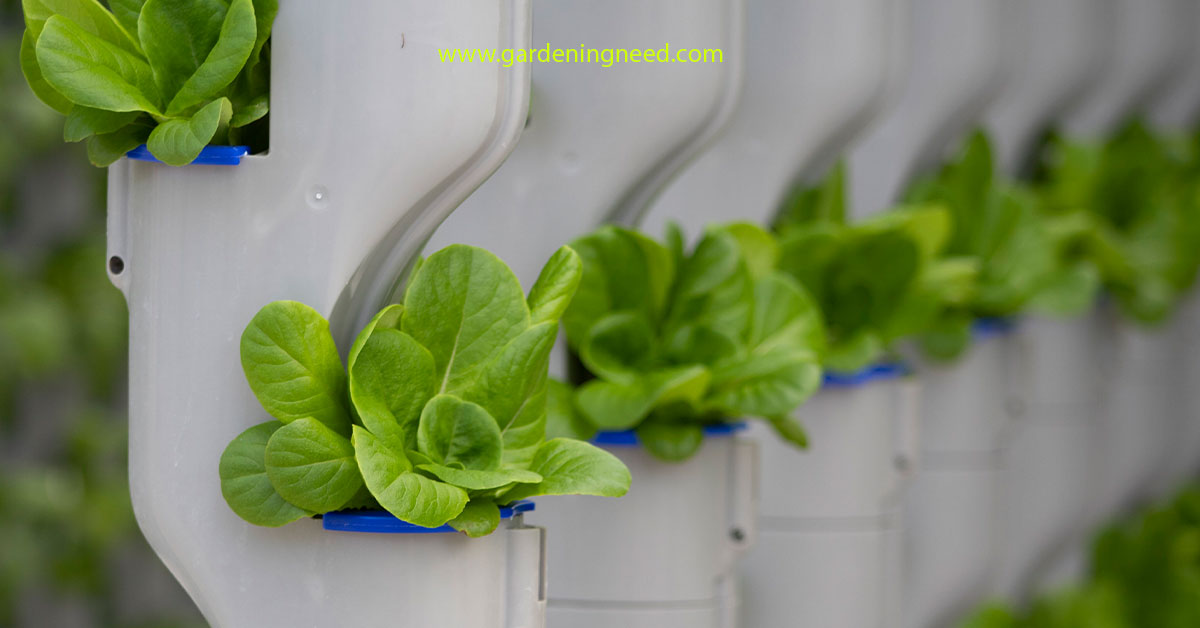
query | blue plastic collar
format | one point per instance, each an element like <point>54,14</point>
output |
<point>992,327</point>
<point>210,156</point>
<point>383,522</point>
<point>629,438</point>
<point>881,371</point>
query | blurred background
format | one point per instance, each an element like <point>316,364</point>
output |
<point>71,554</point>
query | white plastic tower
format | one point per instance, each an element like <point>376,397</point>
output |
<point>600,144</point>
<point>1066,49</point>
<point>373,142</point>
<point>951,509</point>
<point>817,71</point>
<point>1137,431</point>
<point>1058,452</point>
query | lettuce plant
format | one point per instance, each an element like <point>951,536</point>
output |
<point>438,417</point>
<point>875,281</point>
<point>673,339</point>
<point>996,224</point>
<point>1072,284</point>
<point>175,75</point>
<point>1128,209</point>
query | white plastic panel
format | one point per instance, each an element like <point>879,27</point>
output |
<point>361,166</point>
<point>1044,497</point>
<point>952,505</point>
<point>849,471</point>
<point>818,577</point>
<point>1061,49</point>
<point>816,73</point>
<point>1140,430</point>
<point>344,578</point>
<point>1144,61</point>
<point>601,142</point>
<point>828,551</point>
<point>661,555</point>
<point>957,67</point>
<point>1060,362</point>
<point>964,402</point>
<point>950,515</point>
<point>1049,467</point>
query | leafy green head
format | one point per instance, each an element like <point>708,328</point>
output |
<point>674,339</point>
<point>997,229</point>
<point>995,223</point>
<point>1126,213</point>
<point>875,281</point>
<point>175,75</point>
<point>439,415</point>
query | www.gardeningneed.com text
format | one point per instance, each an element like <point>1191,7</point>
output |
<point>605,57</point>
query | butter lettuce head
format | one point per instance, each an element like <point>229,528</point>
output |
<point>438,416</point>
<point>669,339</point>
<point>875,281</point>
<point>176,75</point>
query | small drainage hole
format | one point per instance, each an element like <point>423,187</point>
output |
<point>116,265</point>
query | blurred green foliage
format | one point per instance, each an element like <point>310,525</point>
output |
<point>1122,216</point>
<point>1130,208</point>
<point>878,280</point>
<point>1145,574</point>
<point>1119,217</point>
<point>65,517</point>
<point>995,222</point>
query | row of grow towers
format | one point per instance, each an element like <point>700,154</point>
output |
<point>991,201</point>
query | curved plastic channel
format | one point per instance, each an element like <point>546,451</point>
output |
<point>599,139</point>
<point>1060,50</point>
<point>384,522</point>
<point>957,67</point>
<point>209,156</point>
<point>1144,60</point>
<point>381,274</point>
<point>630,438</point>
<point>817,72</point>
